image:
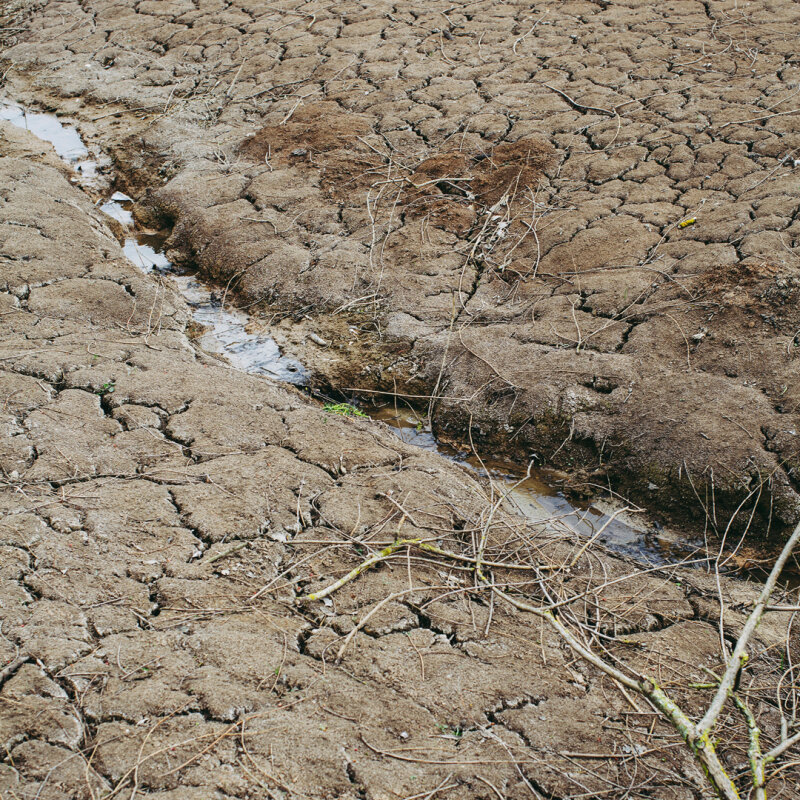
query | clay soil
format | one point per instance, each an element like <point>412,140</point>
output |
<point>571,225</point>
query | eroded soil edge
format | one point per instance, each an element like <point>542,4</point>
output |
<point>487,205</point>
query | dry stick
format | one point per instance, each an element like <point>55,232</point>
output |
<point>754,753</point>
<point>493,505</point>
<point>488,364</point>
<point>11,668</point>
<point>124,111</point>
<point>208,747</point>
<point>362,567</point>
<point>235,78</point>
<point>134,771</point>
<point>477,243</point>
<point>285,572</point>
<point>227,552</point>
<point>433,396</point>
<point>421,657</point>
<point>258,780</point>
<point>377,607</point>
<point>463,763</point>
<point>739,655</point>
<point>781,748</point>
<point>688,347</point>
<point>700,744</point>
<point>171,746</point>
<point>529,32</point>
<point>491,786</point>
<point>759,119</point>
<point>579,106</point>
<point>787,765</point>
<point>422,545</point>
<point>379,391</point>
<point>440,788</point>
<point>594,538</point>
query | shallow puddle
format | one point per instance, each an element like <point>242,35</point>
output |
<point>250,352</point>
<point>227,329</point>
<point>65,139</point>
<point>231,333</point>
<point>538,497</point>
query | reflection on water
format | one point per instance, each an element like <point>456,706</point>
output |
<point>145,257</point>
<point>226,331</point>
<point>227,335</point>
<point>117,207</point>
<point>65,139</point>
<point>538,497</point>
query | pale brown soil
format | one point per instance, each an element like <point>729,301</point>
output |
<point>137,661</point>
<point>343,167</point>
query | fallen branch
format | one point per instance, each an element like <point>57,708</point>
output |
<point>700,737</point>
<point>389,550</point>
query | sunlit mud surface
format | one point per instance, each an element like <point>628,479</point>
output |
<point>231,333</point>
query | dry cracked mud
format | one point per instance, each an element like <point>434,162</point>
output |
<point>479,201</point>
<point>485,202</point>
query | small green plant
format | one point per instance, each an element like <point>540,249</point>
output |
<point>344,409</point>
<point>107,388</point>
<point>448,731</point>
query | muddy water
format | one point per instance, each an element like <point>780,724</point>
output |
<point>538,496</point>
<point>233,334</point>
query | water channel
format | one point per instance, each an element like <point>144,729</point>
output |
<point>247,346</point>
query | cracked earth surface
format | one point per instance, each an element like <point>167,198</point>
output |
<point>483,201</point>
<point>479,200</point>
